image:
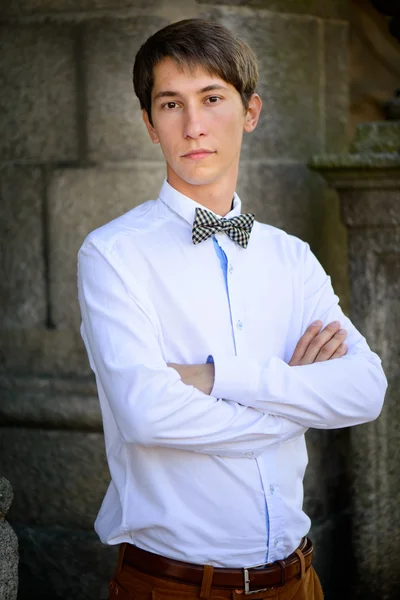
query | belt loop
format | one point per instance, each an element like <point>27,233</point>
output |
<point>282,565</point>
<point>121,556</point>
<point>302,562</point>
<point>206,582</point>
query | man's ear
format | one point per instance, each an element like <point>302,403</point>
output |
<point>253,113</point>
<point>150,128</point>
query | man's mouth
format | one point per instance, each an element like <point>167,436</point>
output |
<point>198,154</point>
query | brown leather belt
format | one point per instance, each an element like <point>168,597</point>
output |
<point>250,578</point>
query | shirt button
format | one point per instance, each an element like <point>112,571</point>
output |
<point>230,269</point>
<point>239,325</point>
<point>249,455</point>
<point>276,542</point>
<point>272,488</point>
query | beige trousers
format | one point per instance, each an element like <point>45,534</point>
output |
<point>130,584</point>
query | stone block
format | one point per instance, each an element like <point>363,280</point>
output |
<point>57,563</point>
<point>22,282</point>
<point>326,490</point>
<point>58,477</point>
<point>288,53</point>
<point>115,127</point>
<point>43,351</point>
<point>37,102</point>
<point>49,403</point>
<point>286,196</point>
<point>80,201</point>
<point>328,9</point>
<point>336,59</point>
<point>32,7</point>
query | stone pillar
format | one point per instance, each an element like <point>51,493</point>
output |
<point>368,182</point>
<point>8,546</point>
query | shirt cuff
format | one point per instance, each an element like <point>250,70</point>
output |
<point>236,379</point>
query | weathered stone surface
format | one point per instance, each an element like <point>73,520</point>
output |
<point>325,483</point>
<point>58,563</point>
<point>22,281</point>
<point>49,403</point>
<point>371,210</point>
<point>37,101</point>
<point>380,137</point>
<point>286,196</point>
<point>80,201</point>
<point>58,477</point>
<point>373,207</point>
<point>287,49</point>
<point>8,546</point>
<point>330,245</point>
<point>327,501</point>
<point>115,126</point>
<point>329,9</point>
<point>43,351</point>
<point>336,62</point>
<point>375,277</point>
<point>28,7</point>
<point>6,497</point>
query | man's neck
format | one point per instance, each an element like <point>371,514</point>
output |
<point>216,196</point>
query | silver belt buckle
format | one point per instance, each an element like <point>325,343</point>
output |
<point>246,577</point>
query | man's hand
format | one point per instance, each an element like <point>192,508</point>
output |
<point>200,376</point>
<point>317,344</point>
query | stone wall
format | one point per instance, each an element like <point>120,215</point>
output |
<point>73,155</point>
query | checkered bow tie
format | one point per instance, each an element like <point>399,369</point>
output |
<point>206,224</point>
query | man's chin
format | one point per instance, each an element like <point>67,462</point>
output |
<point>200,179</point>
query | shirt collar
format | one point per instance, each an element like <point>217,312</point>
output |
<point>185,207</point>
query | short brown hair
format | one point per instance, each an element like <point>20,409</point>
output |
<point>196,42</point>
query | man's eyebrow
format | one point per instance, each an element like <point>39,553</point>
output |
<point>214,86</point>
<point>172,94</point>
<point>166,94</point>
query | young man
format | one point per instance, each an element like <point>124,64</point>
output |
<point>216,342</point>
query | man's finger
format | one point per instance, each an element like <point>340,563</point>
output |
<point>341,351</point>
<point>319,341</point>
<point>328,350</point>
<point>303,343</point>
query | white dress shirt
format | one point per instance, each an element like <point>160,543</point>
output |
<point>217,478</point>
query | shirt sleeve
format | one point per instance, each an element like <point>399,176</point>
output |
<point>148,400</point>
<point>331,394</point>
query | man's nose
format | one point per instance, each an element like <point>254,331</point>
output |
<point>194,125</point>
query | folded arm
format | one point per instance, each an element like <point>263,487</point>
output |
<point>324,394</point>
<point>149,401</point>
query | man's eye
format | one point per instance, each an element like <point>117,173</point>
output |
<point>170,105</point>
<point>213,99</point>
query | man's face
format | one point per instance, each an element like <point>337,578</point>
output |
<point>198,119</point>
